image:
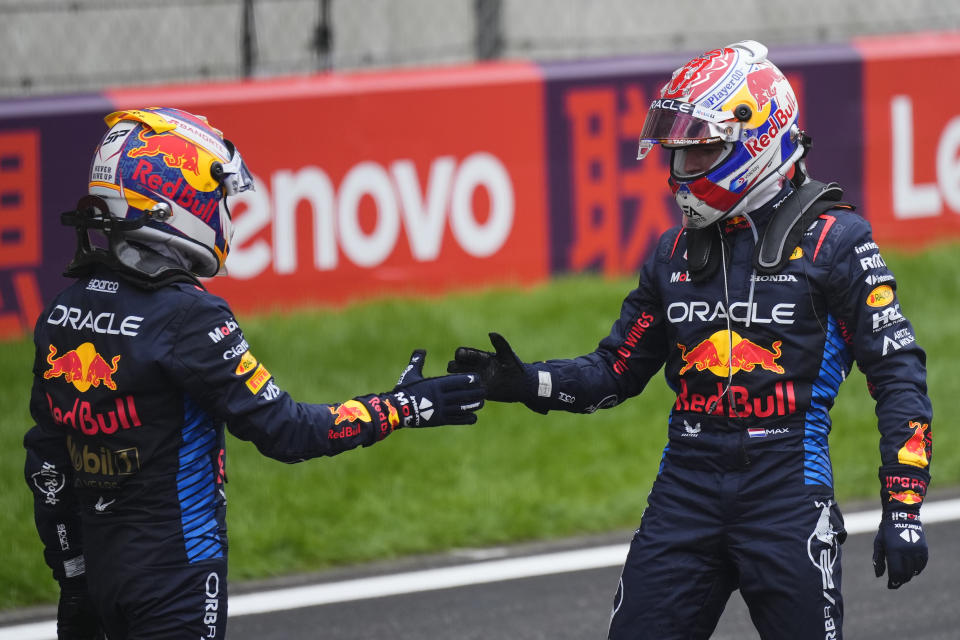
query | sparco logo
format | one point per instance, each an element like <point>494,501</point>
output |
<point>103,286</point>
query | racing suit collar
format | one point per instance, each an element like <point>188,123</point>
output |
<point>761,215</point>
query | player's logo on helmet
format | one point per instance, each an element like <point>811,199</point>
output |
<point>729,119</point>
<point>176,166</point>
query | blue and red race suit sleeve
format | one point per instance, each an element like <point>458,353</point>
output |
<point>863,296</point>
<point>213,363</point>
<point>620,366</point>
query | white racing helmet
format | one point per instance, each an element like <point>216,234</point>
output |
<point>734,108</point>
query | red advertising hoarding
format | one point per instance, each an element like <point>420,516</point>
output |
<point>911,124</point>
<point>20,229</point>
<point>400,183</point>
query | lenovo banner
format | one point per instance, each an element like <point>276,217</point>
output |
<point>402,183</point>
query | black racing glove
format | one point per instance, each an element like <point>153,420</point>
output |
<point>76,617</point>
<point>431,402</point>
<point>506,377</point>
<point>900,547</point>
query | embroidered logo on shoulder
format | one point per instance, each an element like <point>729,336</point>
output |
<point>247,364</point>
<point>219,333</point>
<point>258,379</point>
<point>880,297</point>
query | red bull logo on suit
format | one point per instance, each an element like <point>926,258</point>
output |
<point>915,450</point>
<point>82,367</point>
<point>724,352</point>
<point>727,353</point>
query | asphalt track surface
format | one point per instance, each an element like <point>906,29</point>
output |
<point>576,605</point>
<point>563,604</point>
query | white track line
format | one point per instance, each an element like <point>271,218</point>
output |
<point>460,575</point>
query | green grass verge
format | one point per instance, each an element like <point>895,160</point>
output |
<point>514,476</point>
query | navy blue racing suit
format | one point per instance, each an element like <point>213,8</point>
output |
<point>131,391</point>
<point>744,496</point>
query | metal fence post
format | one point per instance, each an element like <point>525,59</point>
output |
<point>323,38</point>
<point>249,39</point>
<point>489,29</point>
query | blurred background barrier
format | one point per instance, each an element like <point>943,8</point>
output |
<point>56,46</point>
<point>407,181</point>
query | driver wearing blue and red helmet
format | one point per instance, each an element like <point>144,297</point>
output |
<point>137,371</point>
<point>756,308</point>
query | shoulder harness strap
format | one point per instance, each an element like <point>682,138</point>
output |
<point>703,252</point>
<point>788,222</point>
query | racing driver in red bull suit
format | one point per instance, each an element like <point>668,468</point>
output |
<point>756,308</point>
<point>137,370</point>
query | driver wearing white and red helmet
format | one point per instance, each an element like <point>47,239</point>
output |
<point>729,119</point>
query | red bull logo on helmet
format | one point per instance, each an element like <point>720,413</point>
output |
<point>202,202</point>
<point>725,352</point>
<point>82,367</point>
<point>778,121</point>
<point>175,168</point>
<point>699,75</point>
<point>176,151</point>
<point>760,84</point>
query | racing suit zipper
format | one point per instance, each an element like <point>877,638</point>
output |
<point>726,254</point>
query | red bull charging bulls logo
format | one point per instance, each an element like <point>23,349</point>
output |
<point>906,497</point>
<point>350,411</point>
<point>698,75</point>
<point>82,367</point>
<point>722,353</point>
<point>915,451</point>
<point>760,84</point>
<point>176,151</point>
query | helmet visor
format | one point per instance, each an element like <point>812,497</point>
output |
<point>682,123</point>
<point>693,161</point>
<point>234,176</point>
